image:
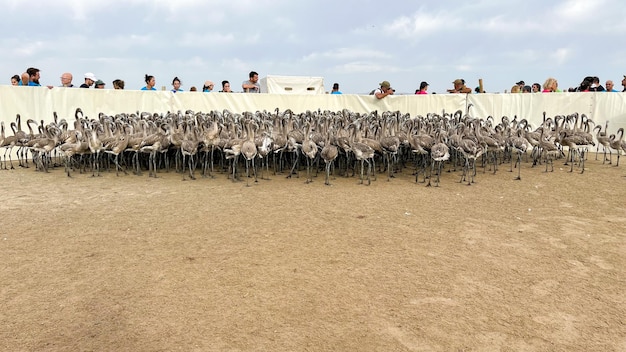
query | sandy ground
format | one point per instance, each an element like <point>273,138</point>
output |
<point>133,263</point>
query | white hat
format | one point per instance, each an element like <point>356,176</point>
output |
<point>91,76</point>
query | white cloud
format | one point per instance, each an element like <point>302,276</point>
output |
<point>346,54</point>
<point>560,55</point>
<point>422,24</point>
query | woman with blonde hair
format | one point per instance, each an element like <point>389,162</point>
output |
<point>550,85</point>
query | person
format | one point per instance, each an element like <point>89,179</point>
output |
<point>521,85</point>
<point>536,88</point>
<point>459,87</point>
<point>515,89</point>
<point>66,80</point>
<point>25,79</point>
<point>33,77</point>
<point>176,84</point>
<point>585,85</point>
<point>90,79</point>
<point>423,88</point>
<point>193,89</point>
<point>596,86</point>
<point>252,84</point>
<point>208,87</point>
<point>556,87</point>
<point>150,83</point>
<point>609,86</point>
<point>335,89</point>
<point>549,85</point>
<point>99,84</point>
<point>526,89</point>
<point>15,80</point>
<point>384,90</point>
<point>624,83</point>
<point>118,84</point>
<point>226,87</point>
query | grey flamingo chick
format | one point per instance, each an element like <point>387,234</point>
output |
<point>329,154</point>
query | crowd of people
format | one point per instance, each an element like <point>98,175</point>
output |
<point>251,85</point>
<point>32,75</point>
<point>588,84</point>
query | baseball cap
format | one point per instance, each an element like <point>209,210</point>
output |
<point>385,84</point>
<point>99,82</point>
<point>521,83</point>
<point>91,76</point>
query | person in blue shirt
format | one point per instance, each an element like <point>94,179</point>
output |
<point>208,87</point>
<point>335,89</point>
<point>150,83</point>
<point>176,84</point>
<point>609,86</point>
<point>25,79</point>
<point>33,75</point>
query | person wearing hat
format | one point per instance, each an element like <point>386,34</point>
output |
<point>384,90</point>
<point>99,84</point>
<point>90,79</point>
<point>208,86</point>
<point>423,88</point>
<point>459,87</point>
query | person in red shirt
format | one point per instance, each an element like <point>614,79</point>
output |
<point>423,88</point>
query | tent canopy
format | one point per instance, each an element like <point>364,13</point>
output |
<point>292,85</point>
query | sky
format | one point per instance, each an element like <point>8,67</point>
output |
<point>357,44</point>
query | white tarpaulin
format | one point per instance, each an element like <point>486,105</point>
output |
<point>292,85</point>
<point>39,103</point>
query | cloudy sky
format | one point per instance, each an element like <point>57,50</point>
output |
<point>355,43</point>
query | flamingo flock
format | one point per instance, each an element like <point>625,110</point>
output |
<point>338,143</point>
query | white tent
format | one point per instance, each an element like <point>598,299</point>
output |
<point>292,85</point>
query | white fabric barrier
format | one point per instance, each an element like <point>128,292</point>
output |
<point>39,103</point>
